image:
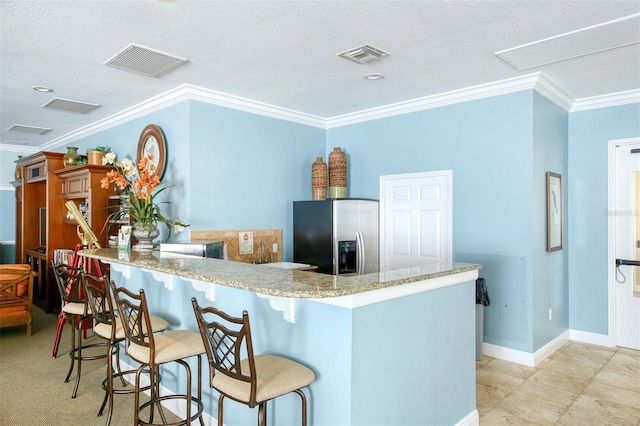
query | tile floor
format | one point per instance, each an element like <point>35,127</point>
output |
<point>579,384</point>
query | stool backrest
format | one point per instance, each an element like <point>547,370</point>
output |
<point>69,283</point>
<point>98,296</point>
<point>134,315</point>
<point>226,340</point>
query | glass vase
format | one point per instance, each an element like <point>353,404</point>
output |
<point>71,158</point>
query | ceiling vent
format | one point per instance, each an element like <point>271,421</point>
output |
<point>67,105</point>
<point>143,60</point>
<point>363,54</point>
<point>29,129</point>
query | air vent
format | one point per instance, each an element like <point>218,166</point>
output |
<point>363,54</point>
<point>67,105</point>
<point>143,60</point>
<point>29,129</point>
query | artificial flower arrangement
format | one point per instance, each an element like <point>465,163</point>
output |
<point>138,186</point>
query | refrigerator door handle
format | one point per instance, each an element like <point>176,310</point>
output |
<point>361,259</point>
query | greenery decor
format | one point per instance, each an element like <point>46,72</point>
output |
<point>138,188</point>
<point>104,149</point>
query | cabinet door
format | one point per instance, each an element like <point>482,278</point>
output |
<point>75,187</point>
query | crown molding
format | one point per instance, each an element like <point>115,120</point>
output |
<point>201,94</point>
<point>179,94</point>
<point>554,93</point>
<point>472,93</point>
<point>18,149</point>
<point>603,101</point>
<point>185,92</point>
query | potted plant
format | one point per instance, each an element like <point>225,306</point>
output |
<point>95,155</point>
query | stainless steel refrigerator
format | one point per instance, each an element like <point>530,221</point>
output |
<point>339,235</point>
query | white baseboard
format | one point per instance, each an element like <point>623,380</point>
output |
<point>508,354</point>
<point>526,358</point>
<point>548,349</point>
<point>533,359</point>
<point>592,338</point>
<point>471,419</point>
<point>177,407</point>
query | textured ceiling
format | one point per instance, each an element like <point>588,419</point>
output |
<point>283,53</point>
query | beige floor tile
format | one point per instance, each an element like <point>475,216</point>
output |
<point>589,350</point>
<point>584,360</point>
<point>500,381</point>
<point>510,368</point>
<point>569,368</point>
<point>536,412</point>
<point>559,380</point>
<point>542,393</point>
<point>484,361</point>
<point>600,386</point>
<point>623,363</point>
<point>487,397</point>
<point>604,392</point>
<point>600,412</point>
<point>495,417</point>
<point>572,418</point>
<point>620,380</point>
<point>631,352</point>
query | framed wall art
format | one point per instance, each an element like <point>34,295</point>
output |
<point>152,142</point>
<point>554,211</point>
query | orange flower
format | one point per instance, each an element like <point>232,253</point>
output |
<point>139,188</point>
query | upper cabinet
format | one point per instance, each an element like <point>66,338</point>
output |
<point>81,184</point>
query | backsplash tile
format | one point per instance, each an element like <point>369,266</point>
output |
<point>231,240</point>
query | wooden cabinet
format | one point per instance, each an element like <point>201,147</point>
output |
<point>18,185</point>
<point>37,233</point>
<point>81,184</point>
<point>42,221</point>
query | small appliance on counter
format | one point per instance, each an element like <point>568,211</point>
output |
<point>211,250</point>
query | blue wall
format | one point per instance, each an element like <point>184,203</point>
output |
<point>550,271</point>
<point>589,133</point>
<point>488,144</point>
<point>247,169</point>
<point>232,169</point>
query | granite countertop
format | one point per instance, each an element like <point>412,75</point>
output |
<point>276,281</point>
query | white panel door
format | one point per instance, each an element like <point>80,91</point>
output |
<point>627,235</point>
<point>415,219</point>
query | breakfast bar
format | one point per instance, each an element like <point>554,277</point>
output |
<point>409,333</point>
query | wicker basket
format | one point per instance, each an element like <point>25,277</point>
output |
<point>319,179</point>
<point>337,173</point>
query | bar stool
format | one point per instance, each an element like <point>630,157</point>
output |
<point>253,380</point>
<point>109,327</point>
<point>151,351</point>
<point>74,306</point>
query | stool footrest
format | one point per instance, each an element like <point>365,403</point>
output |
<point>125,391</point>
<point>158,400</point>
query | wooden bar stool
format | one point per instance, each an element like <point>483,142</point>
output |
<point>109,327</point>
<point>253,380</point>
<point>75,308</point>
<point>151,351</point>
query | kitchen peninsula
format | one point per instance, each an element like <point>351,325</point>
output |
<point>409,333</point>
